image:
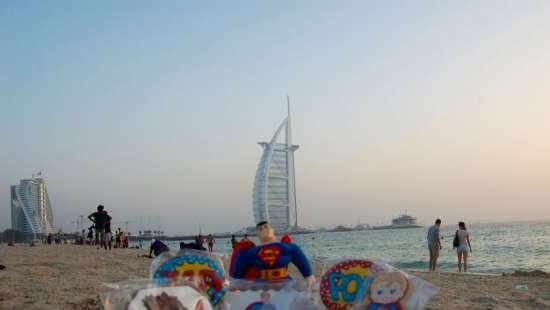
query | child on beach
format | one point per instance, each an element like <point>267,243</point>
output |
<point>123,239</point>
<point>91,235</point>
<point>210,240</point>
<point>108,240</point>
<point>463,246</point>
<point>117,238</point>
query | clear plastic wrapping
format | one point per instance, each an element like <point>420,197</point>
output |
<point>364,284</point>
<point>256,295</point>
<point>145,294</point>
<point>197,280</point>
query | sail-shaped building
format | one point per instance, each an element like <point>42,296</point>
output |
<point>31,210</point>
<point>274,194</point>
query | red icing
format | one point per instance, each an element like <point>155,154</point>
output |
<point>286,239</point>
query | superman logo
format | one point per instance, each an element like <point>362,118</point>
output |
<point>269,254</point>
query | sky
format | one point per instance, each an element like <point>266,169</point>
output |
<point>435,108</point>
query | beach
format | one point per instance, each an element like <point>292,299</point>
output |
<point>72,277</point>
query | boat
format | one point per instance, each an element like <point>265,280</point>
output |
<point>362,227</point>
<point>402,221</point>
<point>340,228</point>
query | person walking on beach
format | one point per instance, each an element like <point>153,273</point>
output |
<point>108,240</point>
<point>233,241</point>
<point>434,243</point>
<point>463,246</point>
<point>210,240</point>
<point>99,218</point>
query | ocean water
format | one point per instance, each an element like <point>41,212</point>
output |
<point>496,248</point>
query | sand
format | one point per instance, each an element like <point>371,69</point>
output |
<point>71,277</point>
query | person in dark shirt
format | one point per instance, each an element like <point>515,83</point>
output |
<point>199,240</point>
<point>90,234</point>
<point>157,248</point>
<point>191,245</point>
<point>99,219</point>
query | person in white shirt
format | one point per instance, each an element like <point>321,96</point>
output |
<point>464,246</point>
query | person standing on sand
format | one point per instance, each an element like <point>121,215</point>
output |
<point>200,240</point>
<point>117,238</point>
<point>434,243</point>
<point>463,246</point>
<point>122,238</point>
<point>108,233</point>
<point>210,240</point>
<point>233,241</point>
<point>99,218</point>
<point>91,235</point>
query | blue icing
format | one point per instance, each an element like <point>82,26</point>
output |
<point>175,262</point>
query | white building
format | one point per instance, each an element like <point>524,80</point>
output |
<point>31,211</point>
<point>274,194</point>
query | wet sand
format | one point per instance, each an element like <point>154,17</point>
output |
<point>71,277</point>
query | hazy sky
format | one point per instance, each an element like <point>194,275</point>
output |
<point>440,108</point>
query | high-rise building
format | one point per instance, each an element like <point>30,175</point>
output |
<point>31,210</point>
<point>274,194</point>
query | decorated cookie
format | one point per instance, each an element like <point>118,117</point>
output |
<point>388,291</point>
<point>341,283</point>
<point>169,298</point>
<point>202,270</point>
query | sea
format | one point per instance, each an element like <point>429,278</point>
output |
<point>496,248</point>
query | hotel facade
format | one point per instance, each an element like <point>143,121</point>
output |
<point>31,210</point>
<point>274,192</point>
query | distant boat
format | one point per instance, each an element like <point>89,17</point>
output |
<point>301,231</point>
<point>362,227</point>
<point>341,228</point>
<point>402,221</point>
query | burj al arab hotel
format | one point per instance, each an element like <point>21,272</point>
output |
<point>274,194</point>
